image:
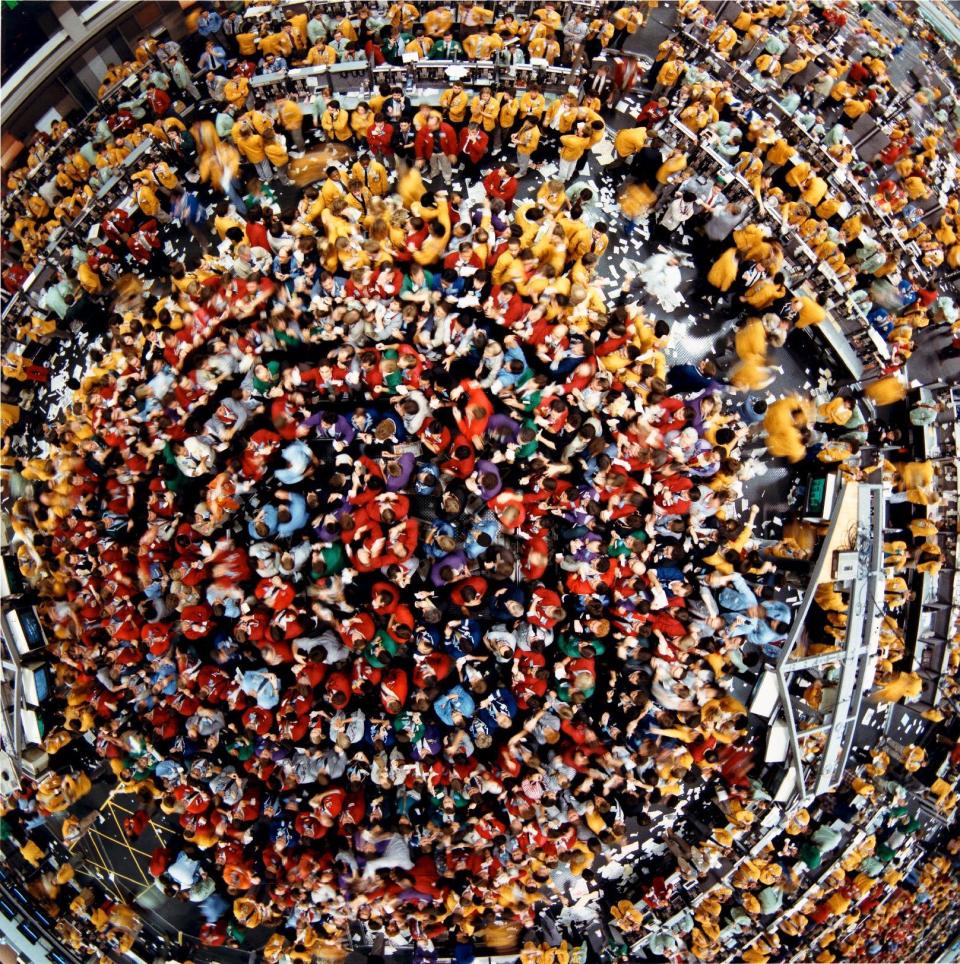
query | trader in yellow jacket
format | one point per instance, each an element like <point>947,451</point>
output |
<point>628,142</point>
<point>526,140</point>
<point>787,426</point>
<point>250,144</point>
<point>572,148</point>
<point>809,312</point>
<point>237,92</point>
<point>335,122</point>
<point>372,174</point>
<point>455,100</point>
<point>291,117</point>
<point>724,271</point>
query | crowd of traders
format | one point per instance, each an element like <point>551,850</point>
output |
<point>865,908</point>
<point>419,576</point>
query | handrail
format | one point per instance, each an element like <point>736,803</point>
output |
<point>863,638</point>
<point>26,910</point>
<point>799,615</point>
<point>860,645</point>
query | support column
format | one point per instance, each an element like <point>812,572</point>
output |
<point>91,65</point>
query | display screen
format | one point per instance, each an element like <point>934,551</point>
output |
<point>37,686</point>
<point>31,627</point>
<point>13,575</point>
<point>816,495</point>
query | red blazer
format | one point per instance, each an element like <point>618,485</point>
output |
<point>257,235</point>
<point>159,101</point>
<point>380,142</point>
<point>141,243</point>
<point>387,281</point>
<point>478,144</point>
<point>423,145</point>
<point>477,583</point>
<point>651,113</point>
<point>504,188</point>
<point>122,122</point>
<point>453,261</point>
<point>374,53</point>
<point>447,139</point>
<point>858,74</point>
<point>625,74</point>
<point>115,223</point>
<point>516,307</point>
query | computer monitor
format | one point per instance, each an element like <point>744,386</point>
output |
<point>36,683</point>
<point>12,582</point>
<point>24,630</point>
<point>32,726</point>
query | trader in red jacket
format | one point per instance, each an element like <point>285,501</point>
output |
<point>379,136</point>
<point>158,100</point>
<point>436,144</point>
<point>473,148</point>
<point>502,183</point>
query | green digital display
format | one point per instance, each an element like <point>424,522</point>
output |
<point>815,499</point>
